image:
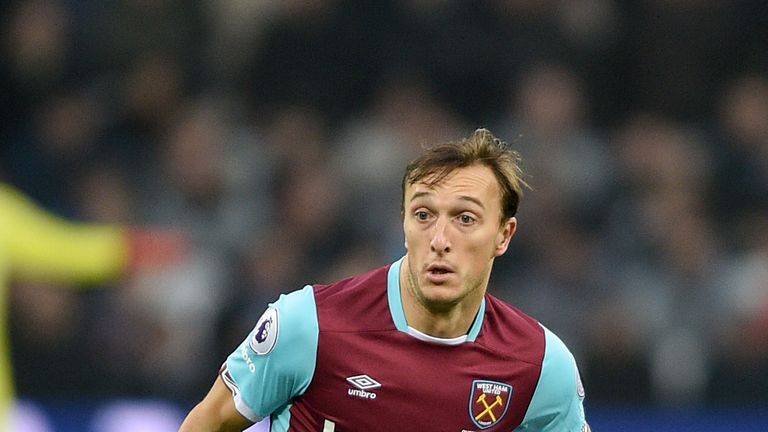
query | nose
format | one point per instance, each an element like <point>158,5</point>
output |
<point>440,243</point>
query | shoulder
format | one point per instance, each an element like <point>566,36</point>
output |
<point>363,292</point>
<point>290,317</point>
<point>276,361</point>
<point>356,302</point>
<point>505,313</point>
<point>557,401</point>
<point>559,365</point>
<point>287,328</point>
<point>352,288</point>
<point>507,328</point>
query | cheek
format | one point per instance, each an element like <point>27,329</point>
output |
<point>483,246</point>
<point>413,240</point>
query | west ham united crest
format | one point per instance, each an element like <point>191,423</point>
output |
<point>488,402</point>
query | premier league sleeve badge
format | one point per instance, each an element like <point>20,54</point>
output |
<point>265,333</point>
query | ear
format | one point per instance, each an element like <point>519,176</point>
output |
<point>405,235</point>
<point>505,234</point>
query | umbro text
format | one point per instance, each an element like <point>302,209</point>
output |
<point>361,394</point>
<point>247,359</point>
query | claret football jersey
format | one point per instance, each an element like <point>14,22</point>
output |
<point>342,357</point>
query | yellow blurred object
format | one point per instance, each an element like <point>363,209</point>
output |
<point>37,246</point>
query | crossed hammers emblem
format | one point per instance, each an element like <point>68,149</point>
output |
<point>488,408</point>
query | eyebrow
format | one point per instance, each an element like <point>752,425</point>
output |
<point>463,197</point>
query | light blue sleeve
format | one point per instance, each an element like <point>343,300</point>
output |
<point>557,401</point>
<point>276,362</point>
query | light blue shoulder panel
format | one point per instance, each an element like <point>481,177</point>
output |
<point>277,361</point>
<point>557,401</point>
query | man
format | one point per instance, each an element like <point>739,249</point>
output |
<point>416,345</point>
<point>37,246</point>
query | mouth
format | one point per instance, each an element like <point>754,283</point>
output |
<point>439,273</point>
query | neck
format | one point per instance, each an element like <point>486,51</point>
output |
<point>437,319</point>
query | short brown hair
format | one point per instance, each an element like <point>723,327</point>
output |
<point>482,147</point>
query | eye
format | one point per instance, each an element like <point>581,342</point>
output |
<point>422,215</point>
<point>466,219</point>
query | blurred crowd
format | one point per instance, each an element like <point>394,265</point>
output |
<point>275,135</point>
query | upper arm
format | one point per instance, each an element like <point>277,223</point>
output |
<point>276,362</point>
<point>557,403</point>
<point>216,412</point>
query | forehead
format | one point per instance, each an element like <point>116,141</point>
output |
<point>476,181</point>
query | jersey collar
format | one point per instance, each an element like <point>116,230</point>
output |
<point>398,314</point>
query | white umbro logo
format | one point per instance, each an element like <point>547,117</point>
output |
<point>364,382</point>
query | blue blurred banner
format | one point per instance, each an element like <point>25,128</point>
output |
<point>633,419</point>
<point>163,416</point>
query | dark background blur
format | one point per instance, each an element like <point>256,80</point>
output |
<point>275,134</point>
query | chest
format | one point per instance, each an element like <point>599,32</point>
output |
<point>384,381</point>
